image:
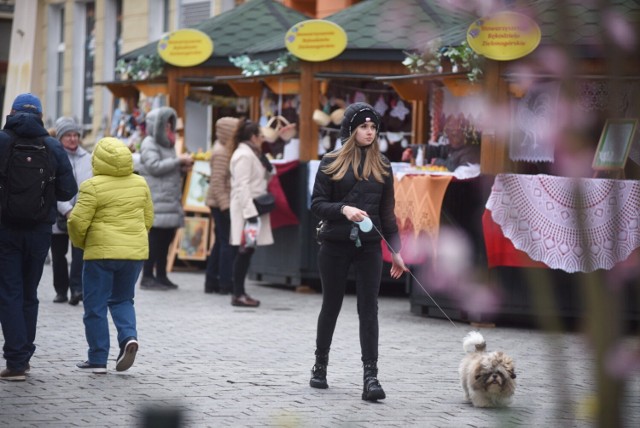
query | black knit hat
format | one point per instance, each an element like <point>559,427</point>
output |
<point>355,115</point>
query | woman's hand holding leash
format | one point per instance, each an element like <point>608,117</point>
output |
<point>357,215</point>
<point>353,213</point>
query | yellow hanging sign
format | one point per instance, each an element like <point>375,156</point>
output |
<point>504,36</point>
<point>316,40</point>
<point>185,48</point>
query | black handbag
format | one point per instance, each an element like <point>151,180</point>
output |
<point>264,203</point>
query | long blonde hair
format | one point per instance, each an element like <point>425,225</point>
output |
<point>348,157</point>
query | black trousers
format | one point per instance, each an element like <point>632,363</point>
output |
<point>63,278</point>
<point>334,261</point>
<point>241,264</point>
<point>159,242</point>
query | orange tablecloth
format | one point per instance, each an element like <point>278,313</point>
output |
<point>418,205</point>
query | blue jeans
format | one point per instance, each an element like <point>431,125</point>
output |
<point>22,256</point>
<point>108,284</point>
<point>220,261</point>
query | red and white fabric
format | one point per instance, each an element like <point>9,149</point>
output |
<point>573,224</point>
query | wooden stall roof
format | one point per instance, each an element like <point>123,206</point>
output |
<point>380,30</point>
<point>347,76</point>
<point>250,86</point>
<point>131,88</point>
<point>586,21</point>
<point>235,31</point>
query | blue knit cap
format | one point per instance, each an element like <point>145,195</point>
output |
<point>27,103</point>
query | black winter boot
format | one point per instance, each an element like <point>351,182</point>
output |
<point>319,371</point>
<point>371,390</point>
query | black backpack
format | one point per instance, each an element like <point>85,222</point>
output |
<point>27,188</point>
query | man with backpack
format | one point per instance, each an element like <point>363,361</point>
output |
<point>34,173</point>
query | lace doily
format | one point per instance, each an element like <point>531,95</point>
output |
<point>534,120</point>
<point>573,224</point>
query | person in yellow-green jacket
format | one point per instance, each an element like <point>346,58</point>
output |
<point>110,222</point>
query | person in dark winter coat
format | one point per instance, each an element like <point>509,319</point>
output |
<point>163,169</point>
<point>23,249</point>
<point>354,184</point>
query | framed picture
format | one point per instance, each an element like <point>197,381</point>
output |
<point>192,239</point>
<point>197,186</point>
<point>615,143</point>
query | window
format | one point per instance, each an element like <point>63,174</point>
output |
<point>89,59</point>
<point>192,12</point>
<point>55,58</point>
<point>158,19</point>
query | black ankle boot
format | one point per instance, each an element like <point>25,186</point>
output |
<point>372,390</point>
<point>319,371</point>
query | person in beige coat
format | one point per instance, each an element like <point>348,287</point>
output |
<point>250,175</point>
<point>220,261</point>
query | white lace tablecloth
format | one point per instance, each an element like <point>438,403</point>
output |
<point>573,224</point>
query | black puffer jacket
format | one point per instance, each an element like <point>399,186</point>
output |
<point>377,199</point>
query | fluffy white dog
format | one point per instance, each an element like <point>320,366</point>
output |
<point>487,378</point>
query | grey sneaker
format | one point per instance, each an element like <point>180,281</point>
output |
<point>127,354</point>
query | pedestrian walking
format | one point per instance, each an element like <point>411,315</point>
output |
<point>163,169</point>
<point>220,261</point>
<point>354,184</point>
<point>250,175</point>
<point>34,173</point>
<point>110,222</point>
<point>68,132</point>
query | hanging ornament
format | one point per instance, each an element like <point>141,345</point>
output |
<point>381,106</point>
<point>359,97</point>
<point>383,144</point>
<point>399,111</point>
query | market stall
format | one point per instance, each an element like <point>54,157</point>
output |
<point>563,225</point>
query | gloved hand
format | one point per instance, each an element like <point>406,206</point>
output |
<point>252,219</point>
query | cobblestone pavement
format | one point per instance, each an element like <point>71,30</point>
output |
<point>221,366</point>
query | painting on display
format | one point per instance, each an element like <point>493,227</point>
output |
<point>615,143</point>
<point>197,186</point>
<point>193,239</point>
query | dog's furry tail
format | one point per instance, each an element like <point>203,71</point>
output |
<point>473,341</point>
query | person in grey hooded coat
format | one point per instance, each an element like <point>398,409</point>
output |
<point>162,167</point>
